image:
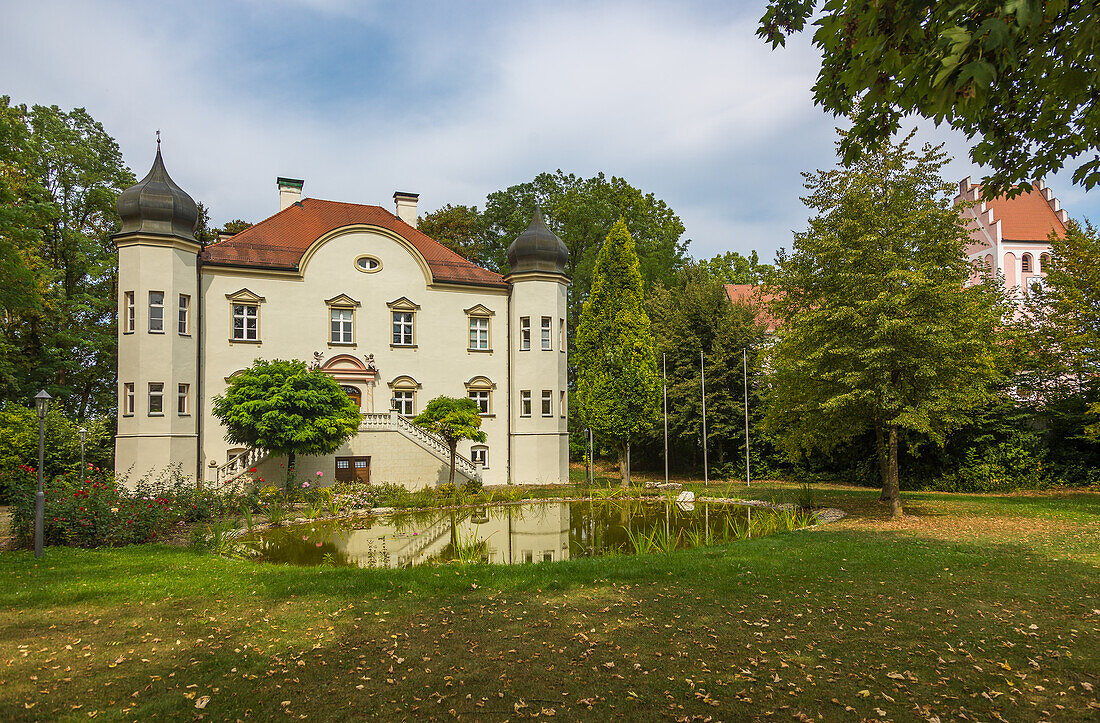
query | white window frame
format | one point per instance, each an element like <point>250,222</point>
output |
<point>403,328</point>
<point>156,313</point>
<point>244,316</point>
<point>561,405</point>
<point>479,333</point>
<point>129,399</point>
<point>482,451</point>
<point>483,399</point>
<point>129,310</point>
<point>183,400</point>
<point>405,401</point>
<point>525,403</point>
<point>561,336</point>
<point>156,392</point>
<point>547,333</point>
<point>525,333</point>
<point>184,315</point>
<point>547,402</point>
<point>341,325</point>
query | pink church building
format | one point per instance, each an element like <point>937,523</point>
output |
<point>1011,237</point>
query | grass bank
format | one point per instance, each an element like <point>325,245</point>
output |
<point>981,606</point>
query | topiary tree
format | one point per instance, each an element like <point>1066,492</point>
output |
<point>284,408</point>
<point>452,419</point>
<point>616,361</point>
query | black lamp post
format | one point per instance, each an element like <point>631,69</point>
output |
<point>83,435</point>
<point>41,405</point>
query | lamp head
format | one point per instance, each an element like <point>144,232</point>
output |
<point>83,433</point>
<point>42,403</point>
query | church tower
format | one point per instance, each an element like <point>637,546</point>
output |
<point>537,356</point>
<point>158,328</point>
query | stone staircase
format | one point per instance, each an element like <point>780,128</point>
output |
<point>239,465</point>
<point>394,422</point>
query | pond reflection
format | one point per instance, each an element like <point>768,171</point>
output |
<point>525,533</point>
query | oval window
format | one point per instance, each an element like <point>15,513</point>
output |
<point>368,264</point>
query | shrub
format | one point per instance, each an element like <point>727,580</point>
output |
<point>1016,463</point>
<point>94,510</point>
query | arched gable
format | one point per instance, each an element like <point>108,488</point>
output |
<point>418,257</point>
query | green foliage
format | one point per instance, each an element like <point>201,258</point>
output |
<point>696,314</point>
<point>1061,338</point>
<point>19,441</point>
<point>877,329</point>
<point>1019,76</point>
<point>282,407</point>
<point>60,174</point>
<point>93,510</point>
<point>462,230</point>
<point>452,419</point>
<point>617,370</point>
<point>733,268</point>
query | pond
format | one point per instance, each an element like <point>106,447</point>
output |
<point>520,533</point>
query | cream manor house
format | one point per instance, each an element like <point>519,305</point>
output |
<point>392,315</point>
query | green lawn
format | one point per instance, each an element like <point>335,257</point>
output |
<point>972,607</point>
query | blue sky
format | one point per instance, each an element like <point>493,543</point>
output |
<point>452,100</point>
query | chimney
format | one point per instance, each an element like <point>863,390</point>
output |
<point>290,191</point>
<point>406,206</point>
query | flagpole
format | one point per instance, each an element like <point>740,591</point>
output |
<point>745,362</point>
<point>703,381</point>
<point>664,393</point>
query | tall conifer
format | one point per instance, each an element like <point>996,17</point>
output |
<point>616,362</point>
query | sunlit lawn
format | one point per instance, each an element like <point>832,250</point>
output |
<point>971,607</point>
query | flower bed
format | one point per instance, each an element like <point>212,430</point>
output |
<point>93,510</point>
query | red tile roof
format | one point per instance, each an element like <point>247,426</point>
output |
<point>1027,217</point>
<point>754,296</point>
<point>280,241</point>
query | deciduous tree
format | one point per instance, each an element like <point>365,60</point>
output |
<point>284,408</point>
<point>877,330</point>
<point>1019,76</point>
<point>452,419</point>
<point>616,367</point>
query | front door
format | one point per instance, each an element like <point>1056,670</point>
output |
<point>353,469</point>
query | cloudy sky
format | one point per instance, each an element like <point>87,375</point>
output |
<point>452,100</point>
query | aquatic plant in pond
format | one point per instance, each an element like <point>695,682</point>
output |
<point>516,534</point>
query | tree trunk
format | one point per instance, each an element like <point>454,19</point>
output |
<point>883,459</point>
<point>624,464</point>
<point>454,451</point>
<point>290,457</point>
<point>891,488</point>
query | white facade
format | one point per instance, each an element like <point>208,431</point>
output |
<point>385,310</point>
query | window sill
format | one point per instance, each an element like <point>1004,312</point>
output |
<point>156,414</point>
<point>487,416</point>
<point>245,341</point>
<point>480,351</point>
<point>125,414</point>
<point>127,333</point>
<point>184,415</point>
<point>187,334</point>
<point>345,344</point>
<point>523,349</point>
<point>402,346</point>
<point>154,331</point>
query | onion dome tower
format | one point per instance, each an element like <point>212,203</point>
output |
<point>538,249</point>
<point>538,356</point>
<point>155,205</point>
<point>158,328</point>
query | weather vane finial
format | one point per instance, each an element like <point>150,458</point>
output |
<point>158,138</point>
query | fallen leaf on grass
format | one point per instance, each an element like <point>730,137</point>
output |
<point>202,702</point>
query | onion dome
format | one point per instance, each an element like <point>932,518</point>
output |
<point>156,205</point>
<point>538,249</point>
